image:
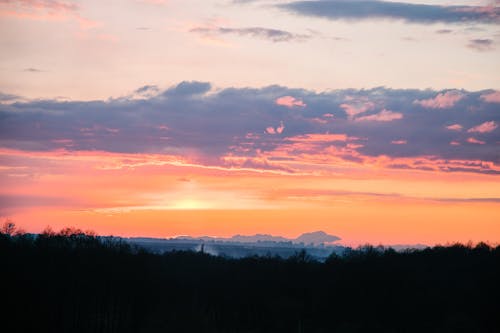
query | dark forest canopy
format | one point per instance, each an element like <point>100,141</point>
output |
<point>72,281</point>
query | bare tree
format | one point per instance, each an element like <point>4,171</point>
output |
<point>8,228</point>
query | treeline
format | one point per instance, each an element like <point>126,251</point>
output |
<point>72,281</point>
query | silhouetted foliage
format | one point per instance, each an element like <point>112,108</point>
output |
<point>75,281</point>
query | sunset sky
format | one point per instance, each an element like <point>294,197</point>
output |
<point>376,121</point>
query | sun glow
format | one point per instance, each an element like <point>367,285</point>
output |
<point>189,203</point>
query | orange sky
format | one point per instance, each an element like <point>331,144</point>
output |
<point>165,196</point>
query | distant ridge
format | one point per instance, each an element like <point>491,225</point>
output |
<point>314,238</point>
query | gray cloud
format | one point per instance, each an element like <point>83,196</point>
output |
<point>444,31</point>
<point>274,35</point>
<point>8,97</point>
<point>186,88</point>
<point>481,45</point>
<point>408,12</point>
<point>243,1</point>
<point>146,91</point>
<point>32,70</point>
<point>213,123</point>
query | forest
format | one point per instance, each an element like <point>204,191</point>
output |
<point>75,281</point>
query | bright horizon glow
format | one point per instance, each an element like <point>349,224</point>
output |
<point>151,199</point>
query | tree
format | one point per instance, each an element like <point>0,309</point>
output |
<point>9,228</point>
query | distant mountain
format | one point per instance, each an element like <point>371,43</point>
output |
<point>258,238</point>
<point>318,244</point>
<point>315,238</point>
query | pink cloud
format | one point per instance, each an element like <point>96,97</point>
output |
<point>441,101</point>
<point>54,5</point>
<point>45,10</point>
<point>290,102</point>
<point>354,109</point>
<point>493,97</point>
<point>490,9</point>
<point>277,130</point>
<point>270,130</point>
<point>455,127</point>
<point>485,127</point>
<point>475,141</point>
<point>280,129</point>
<point>454,143</point>
<point>384,115</point>
<point>399,142</point>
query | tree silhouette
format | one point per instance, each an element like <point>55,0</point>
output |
<point>76,281</point>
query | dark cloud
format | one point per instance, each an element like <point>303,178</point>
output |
<point>274,35</point>
<point>481,45</point>
<point>186,88</point>
<point>408,12</point>
<point>216,126</point>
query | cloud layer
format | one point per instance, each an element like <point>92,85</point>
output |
<point>273,127</point>
<point>409,12</point>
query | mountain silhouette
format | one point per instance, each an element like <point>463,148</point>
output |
<point>315,238</point>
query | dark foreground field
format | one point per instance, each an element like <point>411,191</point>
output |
<point>72,282</point>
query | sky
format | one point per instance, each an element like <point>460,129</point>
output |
<point>375,121</point>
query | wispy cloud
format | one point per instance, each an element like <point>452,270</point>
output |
<point>444,31</point>
<point>45,10</point>
<point>486,127</point>
<point>273,35</point>
<point>33,70</point>
<point>475,141</point>
<point>482,45</point>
